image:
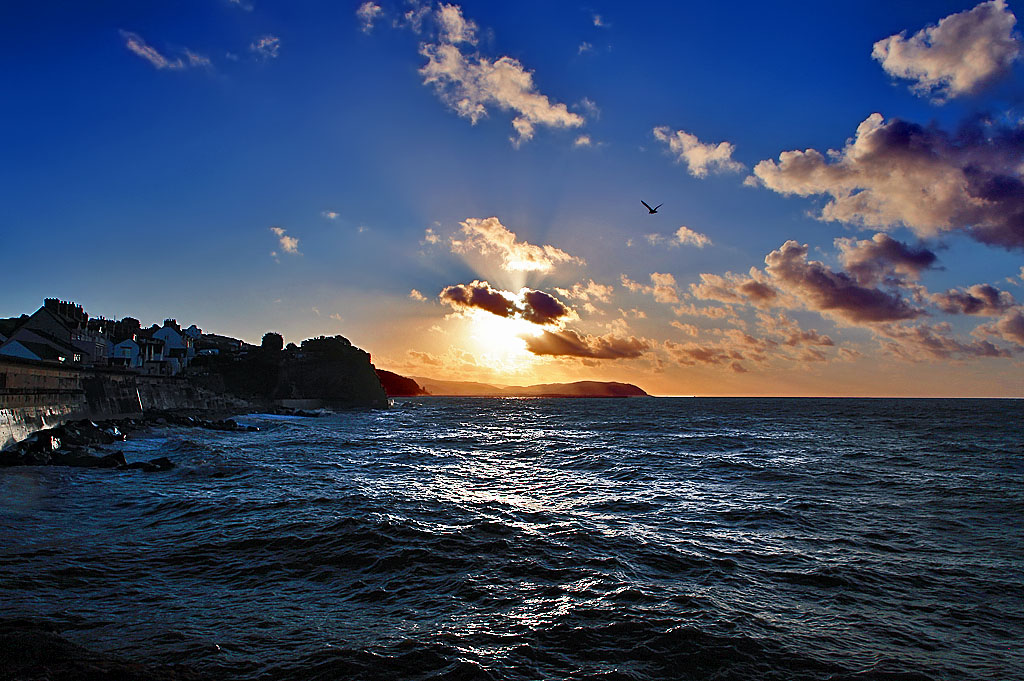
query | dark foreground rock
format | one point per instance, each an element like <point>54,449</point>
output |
<point>84,444</point>
<point>30,651</point>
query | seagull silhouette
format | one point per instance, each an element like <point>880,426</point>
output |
<point>650,210</point>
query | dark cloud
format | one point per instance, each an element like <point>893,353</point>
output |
<point>824,290</point>
<point>569,343</point>
<point>479,294</point>
<point>900,173</point>
<point>540,308</point>
<point>980,299</point>
<point>536,306</point>
<point>882,258</point>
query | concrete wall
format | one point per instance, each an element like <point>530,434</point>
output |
<point>36,395</point>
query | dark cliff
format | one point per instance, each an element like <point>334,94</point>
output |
<point>329,370</point>
<point>399,386</point>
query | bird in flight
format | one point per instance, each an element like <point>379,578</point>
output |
<point>650,210</point>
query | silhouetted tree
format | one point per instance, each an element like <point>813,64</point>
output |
<point>272,342</point>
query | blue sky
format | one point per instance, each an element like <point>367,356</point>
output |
<point>150,148</point>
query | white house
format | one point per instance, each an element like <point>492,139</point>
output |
<point>127,354</point>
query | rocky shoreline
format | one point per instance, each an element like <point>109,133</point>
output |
<point>90,444</point>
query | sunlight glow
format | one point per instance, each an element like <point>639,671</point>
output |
<point>498,341</point>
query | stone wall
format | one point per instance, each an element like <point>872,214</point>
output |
<point>37,395</point>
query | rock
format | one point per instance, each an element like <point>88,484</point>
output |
<point>12,457</point>
<point>163,463</point>
<point>114,460</point>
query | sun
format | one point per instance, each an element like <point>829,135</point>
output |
<point>498,341</point>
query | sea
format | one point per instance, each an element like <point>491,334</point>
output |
<point>615,539</point>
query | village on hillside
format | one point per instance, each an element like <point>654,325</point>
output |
<point>61,331</point>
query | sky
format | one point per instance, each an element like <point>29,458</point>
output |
<point>457,187</point>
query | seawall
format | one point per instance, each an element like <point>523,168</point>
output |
<point>38,395</point>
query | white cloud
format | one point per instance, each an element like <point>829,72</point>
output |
<point>663,289</point>
<point>266,47</point>
<point>241,4</point>
<point>687,237</point>
<point>598,21</point>
<point>289,244</point>
<point>139,47</point>
<point>956,57</point>
<point>684,236</point>
<point>431,237</point>
<point>416,295</point>
<point>583,141</point>
<point>489,237</point>
<point>584,47</point>
<point>329,214</point>
<point>368,12</point>
<point>454,27</point>
<point>589,291</point>
<point>699,157</point>
<point>471,83</point>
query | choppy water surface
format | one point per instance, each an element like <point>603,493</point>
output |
<point>545,539</point>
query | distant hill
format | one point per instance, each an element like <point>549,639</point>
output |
<point>577,389</point>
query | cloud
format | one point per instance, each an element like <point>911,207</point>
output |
<point>598,21</point>
<point>454,27</point>
<point>471,83</point>
<point>882,258</point>
<point>289,244</point>
<point>927,341</point>
<point>424,358</point>
<point>479,294</point>
<point>834,293</point>
<point>1009,327</point>
<point>711,312</point>
<point>735,288</point>
<point>790,333</point>
<point>688,329</point>
<point>431,237</point>
<point>589,106</point>
<point>956,57</point>
<point>541,308</point>
<point>416,295</point>
<point>691,354</point>
<point>489,237</point>
<point>700,158</point>
<point>980,299</point>
<point>684,236</point>
<point>139,47</point>
<point>583,141</point>
<point>330,214</point>
<point>533,306</point>
<point>584,47</point>
<point>266,47</point>
<point>368,13</point>
<point>569,343</point>
<point>664,287</point>
<point>587,292</point>
<point>899,173</point>
<point>687,237</point>
<point>241,4</point>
